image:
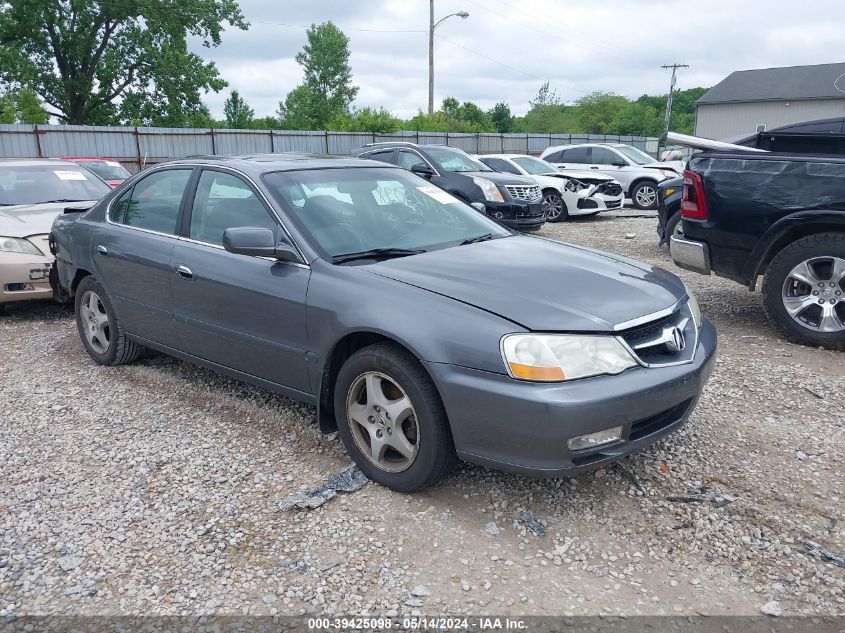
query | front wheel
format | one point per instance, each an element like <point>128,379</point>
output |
<point>804,291</point>
<point>644,195</point>
<point>391,419</point>
<point>102,335</point>
<point>553,206</point>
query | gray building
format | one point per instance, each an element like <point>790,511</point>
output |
<point>747,100</point>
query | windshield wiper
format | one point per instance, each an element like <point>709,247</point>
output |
<point>478,238</point>
<point>376,253</point>
<point>60,200</point>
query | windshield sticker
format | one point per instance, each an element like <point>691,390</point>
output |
<point>438,194</point>
<point>70,175</point>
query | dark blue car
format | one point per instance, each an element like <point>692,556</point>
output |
<point>419,328</point>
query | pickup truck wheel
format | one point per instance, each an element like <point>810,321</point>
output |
<point>102,335</point>
<point>644,195</point>
<point>391,419</point>
<point>673,227</point>
<point>554,208</point>
<point>804,291</point>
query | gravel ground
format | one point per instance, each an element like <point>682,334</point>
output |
<point>155,489</point>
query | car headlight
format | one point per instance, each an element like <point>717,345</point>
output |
<point>489,189</point>
<point>17,245</point>
<point>694,308</point>
<point>558,357</point>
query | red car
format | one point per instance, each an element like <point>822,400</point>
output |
<point>106,168</point>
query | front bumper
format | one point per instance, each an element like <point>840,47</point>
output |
<point>516,215</point>
<point>689,254</point>
<point>523,427</point>
<point>598,203</point>
<point>24,276</point>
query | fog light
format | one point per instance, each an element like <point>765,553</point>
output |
<point>595,439</point>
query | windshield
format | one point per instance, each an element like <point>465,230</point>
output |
<point>639,157</point>
<point>455,160</point>
<point>345,211</point>
<point>108,169</point>
<point>32,184</point>
<point>535,166</point>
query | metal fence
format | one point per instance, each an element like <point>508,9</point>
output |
<point>141,146</point>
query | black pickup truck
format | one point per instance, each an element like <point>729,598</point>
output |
<point>781,216</point>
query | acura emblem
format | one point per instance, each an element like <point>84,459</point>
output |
<point>676,341</point>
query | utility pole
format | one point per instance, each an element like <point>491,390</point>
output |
<point>431,26</point>
<point>674,68</point>
<point>430,57</point>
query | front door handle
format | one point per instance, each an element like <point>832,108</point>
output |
<point>102,250</point>
<point>594,167</point>
<point>184,272</point>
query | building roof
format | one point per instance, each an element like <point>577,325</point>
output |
<point>792,83</point>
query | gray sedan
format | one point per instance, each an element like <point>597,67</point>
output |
<point>422,331</point>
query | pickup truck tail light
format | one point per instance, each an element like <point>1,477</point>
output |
<point>693,204</point>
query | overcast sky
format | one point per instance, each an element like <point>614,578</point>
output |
<point>507,48</point>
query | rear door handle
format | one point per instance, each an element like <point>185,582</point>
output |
<point>184,272</point>
<point>102,250</point>
<point>593,167</point>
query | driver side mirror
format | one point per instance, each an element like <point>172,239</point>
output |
<point>619,163</point>
<point>421,169</point>
<point>258,242</point>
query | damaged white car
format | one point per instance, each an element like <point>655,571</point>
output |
<point>573,193</point>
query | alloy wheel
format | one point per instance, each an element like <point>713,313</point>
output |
<point>646,196</point>
<point>814,294</point>
<point>552,206</point>
<point>383,421</point>
<point>95,322</point>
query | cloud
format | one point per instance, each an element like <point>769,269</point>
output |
<point>507,48</point>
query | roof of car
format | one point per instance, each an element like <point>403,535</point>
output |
<point>32,162</point>
<point>262,163</point>
<point>505,156</point>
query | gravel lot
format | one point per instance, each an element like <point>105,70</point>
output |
<point>155,489</point>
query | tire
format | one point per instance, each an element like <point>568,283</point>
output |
<point>102,335</point>
<point>819,259</point>
<point>672,225</point>
<point>554,207</point>
<point>429,452</point>
<point>644,195</point>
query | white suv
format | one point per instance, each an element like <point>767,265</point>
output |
<point>638,173</point>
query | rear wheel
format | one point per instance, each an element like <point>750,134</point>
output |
<point>391,419</point>
<point>644,195</point>
<point>102,335</point>
<point>804,291</point>
<point>673,227</point>
<point>553,206</point>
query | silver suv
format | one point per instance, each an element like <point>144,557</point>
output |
<point>638,173</point>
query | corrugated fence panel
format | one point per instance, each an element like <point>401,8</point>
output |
<point>342,143</point>
<point>161,143</point>
<point>515,143</point>
<point>298,141</point>
<point>145,146</point>
<point>83,140</point>
<point>18,141</point>
<point>242,142</point>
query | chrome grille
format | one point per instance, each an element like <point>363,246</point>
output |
<point>527,193</point>
<point>652,343</point>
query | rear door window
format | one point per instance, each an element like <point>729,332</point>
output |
<point>154,201</point>
<point>580,155</point>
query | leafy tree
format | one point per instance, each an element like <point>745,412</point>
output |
<point>545,96</point>
<point>238,113</point>
<point>501,117</point>
<point>326,90</point>
<point>22,106</point>
<point>89,59</point>
<point>368,119</point>
<point>636,119</point>
<point>597,110</point>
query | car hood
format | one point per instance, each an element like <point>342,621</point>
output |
<point>499,178</point>
<point>540,284</point>
<point>23,220</point>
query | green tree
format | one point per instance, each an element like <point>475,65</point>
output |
<point>22,106</point>
<point>501,117</point>
<point>89,59</point>
<point>636,119</point>
<point>377,121</point>
<point>326,90</point>
<point>596,111</point>
<point>238,113</point>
